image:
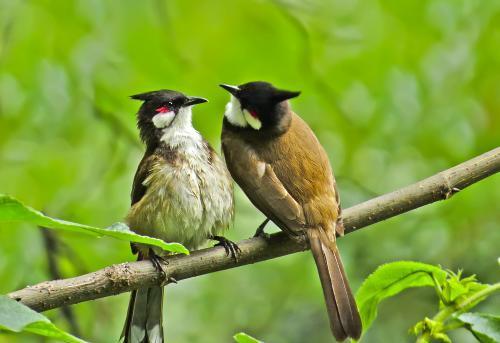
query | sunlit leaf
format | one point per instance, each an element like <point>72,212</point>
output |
<point>486,327</point>
<point>16,317</point>
<point>244,338</point>
<point>389,280</point>
<point>13,210</point>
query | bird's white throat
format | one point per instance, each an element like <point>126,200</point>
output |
<point>180,133</point>
<point>239,117</point>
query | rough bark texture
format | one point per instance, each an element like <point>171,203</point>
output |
<point>125,277</point>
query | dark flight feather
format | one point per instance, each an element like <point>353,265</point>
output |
<point>264,189</point>
<point>138,188</point>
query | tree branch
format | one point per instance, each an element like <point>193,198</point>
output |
<point>125,277</point>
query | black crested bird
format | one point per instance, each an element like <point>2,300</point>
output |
<point>182,192</point>
<point>279,163</point>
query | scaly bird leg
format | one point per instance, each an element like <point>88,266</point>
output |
<point>157,261</point>
<point>260,230</point>
<point>230,247</point>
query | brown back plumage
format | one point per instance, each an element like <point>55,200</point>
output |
<point>289,178</point>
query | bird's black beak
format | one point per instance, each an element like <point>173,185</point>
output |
<point>234,90</point>
<point>193,100</point>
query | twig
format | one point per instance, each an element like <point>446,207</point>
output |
<point>125,277</point>
<point>52,250</point>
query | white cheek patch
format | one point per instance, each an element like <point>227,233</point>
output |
<point>162,120</point>
<point>252,121</point>
<point>233,113</point>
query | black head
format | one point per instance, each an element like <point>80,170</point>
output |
<point>165,100</point>
<point>262,101</point>
<point>161,109</point>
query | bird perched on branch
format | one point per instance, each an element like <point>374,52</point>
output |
<point>279,163</point>
<point>182,192</point>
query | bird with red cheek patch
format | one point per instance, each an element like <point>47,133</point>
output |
<point>276,159</point>
<point>162,109</point>
<point>182,192</point>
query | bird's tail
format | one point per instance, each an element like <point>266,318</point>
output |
<point>344,316</point>
<point>144,323</point>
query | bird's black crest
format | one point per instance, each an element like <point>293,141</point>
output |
<point>282,95</point>
<point>263,86</point>
<point>260,92</point>
<point>162,94</point>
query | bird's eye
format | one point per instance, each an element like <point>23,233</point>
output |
<point>170,104</point>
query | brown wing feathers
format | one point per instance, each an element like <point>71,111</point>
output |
<point>143,170</point>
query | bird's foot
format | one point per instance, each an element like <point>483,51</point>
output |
<point>157,261</point>
<point>232,249</point>
<point>260,230</point>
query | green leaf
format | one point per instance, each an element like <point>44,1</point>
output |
<point>389,280</point>
<point>486,327</point>
<point>16,317</point>
<point>456,288</point>
<point>244,338</point>
<point>13,210</point>
<point>452,289</point>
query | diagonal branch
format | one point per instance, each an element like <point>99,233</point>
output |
<point>125,277</point>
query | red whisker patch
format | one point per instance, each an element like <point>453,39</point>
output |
<point>162,109</point>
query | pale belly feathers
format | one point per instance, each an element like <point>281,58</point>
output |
<point>186,201</point>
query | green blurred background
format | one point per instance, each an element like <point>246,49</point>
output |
<point>395,90</point>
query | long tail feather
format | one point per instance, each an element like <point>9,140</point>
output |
<point>144,322</point>
<point>342,311</point>
<point>154,322</point>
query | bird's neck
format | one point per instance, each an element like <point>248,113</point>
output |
<point>265,133</point>
<point>182,139</point>
<point>179,135</point>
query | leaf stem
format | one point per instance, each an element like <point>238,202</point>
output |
<point>453,325</point>
<point>438,289</point>
<point>448,311</point>
<point>478,295</point>
<point>425,338</point>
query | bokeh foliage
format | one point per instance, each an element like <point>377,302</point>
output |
<point>395,90</point>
